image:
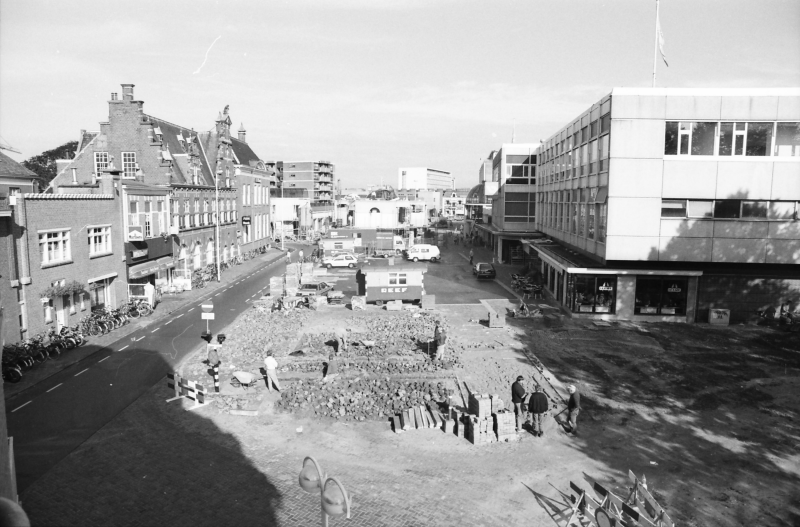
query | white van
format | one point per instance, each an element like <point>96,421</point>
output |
<point>423,251</point>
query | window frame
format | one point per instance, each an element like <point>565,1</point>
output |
<point>104,234</point>
<point>63,241</point>
<point>129,165</point>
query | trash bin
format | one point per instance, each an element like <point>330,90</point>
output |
<point>719,317</point>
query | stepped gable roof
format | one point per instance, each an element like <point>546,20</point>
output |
<point>170,137</point>
<point>86,138</point>
<point>10,168</point>
<point>244,154</point>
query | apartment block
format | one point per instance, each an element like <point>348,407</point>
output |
<point>424,178</point>
<point>668,204</point>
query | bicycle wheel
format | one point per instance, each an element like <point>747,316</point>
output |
<point>12,375</point>
<point>95,330</point>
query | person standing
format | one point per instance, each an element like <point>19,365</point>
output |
<point>537,406</point>
<point>271,366</point>
<point>471,256</point>
<point>341,340</point>
<point>214,362</point>
<point>518,398</point>
<point>332,369</point>
<point>574,408</point>
<point>440,340</point>
<point>300,256</point>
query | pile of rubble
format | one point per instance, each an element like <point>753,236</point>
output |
<point>391,366</point>
<point>400,333</point>
<point>226,403</point>
<point>359,399</point>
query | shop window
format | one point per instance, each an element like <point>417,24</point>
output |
<point>661,296</point>
<point>787,140</point>
<point>594,293</point>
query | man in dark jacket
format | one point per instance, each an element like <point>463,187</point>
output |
<point>518,398</point>
<point>537,406</point>
<point>574,408</point>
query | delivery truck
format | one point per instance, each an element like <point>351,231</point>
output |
<point>371,242</point>
<point>403,282</point>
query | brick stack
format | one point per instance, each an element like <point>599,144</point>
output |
<point>505,425</point>
<point>480,406</point>
<point>479,431</point>
<point>497,403</point>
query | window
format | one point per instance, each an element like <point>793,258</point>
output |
<point>701,209</point>
<point>661,296</point>
<point>727,208</point>
<point>603,153</point>
<point>584,134</point>
<point>100,162</point>
<point>55,247</point>
<point>759,139</point>
<point>590,228</point>
<point>397,278</point>
<point>787,140</point>
<point>129,164</point>
<point>601,223</point>
<point>520,207</point>
<point>593,293</point>
<point>783,210</point>
<point>755,209</point>
<point>148,223</point>
<point>581,218</point>
<point>605,123</point>
<point>99,240</point>
<point>673,208</point>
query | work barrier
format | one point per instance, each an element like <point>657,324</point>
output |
<point>186,389</point>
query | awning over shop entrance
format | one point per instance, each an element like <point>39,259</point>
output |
<point>148,268</point>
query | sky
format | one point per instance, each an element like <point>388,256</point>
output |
<point>372,85</point>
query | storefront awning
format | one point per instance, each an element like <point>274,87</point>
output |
<point>101,277</point>
<point>148,268</point>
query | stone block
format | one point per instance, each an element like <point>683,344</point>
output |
<point>396,425</point>
<point>428,301</point>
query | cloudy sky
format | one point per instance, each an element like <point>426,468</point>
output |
<point>371,85</point>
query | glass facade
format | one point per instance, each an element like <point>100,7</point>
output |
<point>661,296</point>
<point>593,293</point>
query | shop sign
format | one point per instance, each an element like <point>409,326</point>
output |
<point>674,289</point>
<point>245,220</point>
<point>135,233</point>
<point>139,253</point>
<point>605,287</point>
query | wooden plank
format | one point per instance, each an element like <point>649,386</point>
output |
<point>396,424</point>
<point>431,419</point>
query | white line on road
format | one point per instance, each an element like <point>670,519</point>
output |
<point>179,316</point>
<point>18,407</point>
<point>189,310</point>
<point>87,369</point>
<point>101,360</point>
<point>122,348</point>
<point>140,338</point>
<point>155,330</point>
<point>170,322</point>
<point>54,387</point>
<point>217,294</point>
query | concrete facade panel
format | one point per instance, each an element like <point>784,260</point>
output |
<point>741,229</point>
<point>678,249</point>
<point>690,179</point>
<point>749,108</point>
<point>783,251</point>
<point>632,248</point>
<point>634,216</point>
<point>634,138</point>
<point>693,108</point>
<point>784,230</point>
<point>744,180</point>
<point>739,250</point>
<point>788,108</point>
<point>636,178</point>
<point>638,107</point>
<point>786,181</point>
<point>686,228</point>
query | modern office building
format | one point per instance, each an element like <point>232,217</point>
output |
<point>513,204</point>
<point>424,178</point>
<point>669,204</point>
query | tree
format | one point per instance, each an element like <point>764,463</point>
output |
<point>44,165</point>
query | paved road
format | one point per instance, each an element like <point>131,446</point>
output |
<point>54,417</point>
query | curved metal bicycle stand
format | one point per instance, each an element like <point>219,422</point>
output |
<point>334,501</point>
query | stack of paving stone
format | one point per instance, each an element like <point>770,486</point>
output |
<point>420,416</point>
<point>292,280</point>
<point>480,405</point>
<point>505,425</point>
<point>276,286</point>
<point>480,428</point>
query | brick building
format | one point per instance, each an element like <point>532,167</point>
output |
<point>208,176</point>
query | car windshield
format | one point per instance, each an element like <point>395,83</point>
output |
<point>484,267</point>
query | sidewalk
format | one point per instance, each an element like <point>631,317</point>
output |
<point>168,304</point>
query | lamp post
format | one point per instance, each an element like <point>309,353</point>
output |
<point>334,500</point>
<point>216,222</point>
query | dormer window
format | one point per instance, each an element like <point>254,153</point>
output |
<point>157,134</point>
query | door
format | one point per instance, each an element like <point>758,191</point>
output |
<point>62,310</point>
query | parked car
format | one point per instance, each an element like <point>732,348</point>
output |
<point>485,270</point>
<point>314,289</point>
<point>423,251</point>
<point>342,260</point>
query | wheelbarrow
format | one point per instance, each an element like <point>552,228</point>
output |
<point>244,379</point>
<point>368,344</point>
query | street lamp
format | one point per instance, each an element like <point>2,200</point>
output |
<point>334,499</point>
<point>216,220</point>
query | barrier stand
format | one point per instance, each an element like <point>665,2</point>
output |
<point>185,389</point>
<point>579,505</point>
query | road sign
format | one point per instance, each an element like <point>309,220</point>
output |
<point>207,306</point>
<point>206,316</point>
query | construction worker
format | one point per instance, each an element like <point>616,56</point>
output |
<point>573,408</point>
<point>271,365</point>
<point>341,340</point>
<point>537,406</point>
<point>518,398</point>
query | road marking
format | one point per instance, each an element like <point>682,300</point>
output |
<point>155,330</point>
<point>122,348</point>
<point>179,316</point>
<point>170,322</point>
<point>101,360</point>
<point>54,387</point>
<point>189,310</point>
<point>217,294</point>
<point>87,369</point>
<point>140,338</point>
<point>18,407</point>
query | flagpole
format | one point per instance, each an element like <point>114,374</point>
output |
<point>655,48</point>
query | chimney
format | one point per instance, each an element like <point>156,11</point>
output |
<point>109,180</point>
<point>74,176</point>
<point>127,92</point>
<point>242,133</point>
<point>113,96</point>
